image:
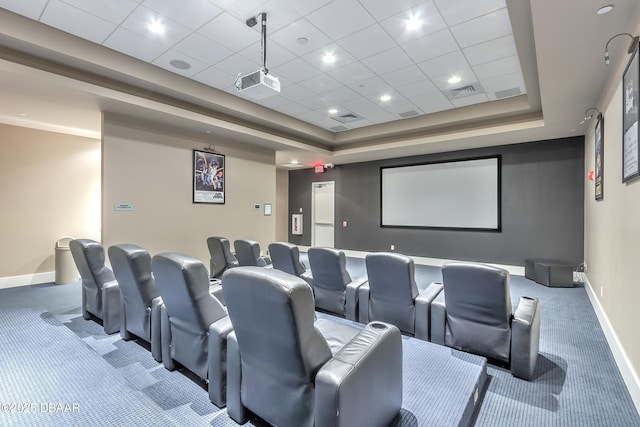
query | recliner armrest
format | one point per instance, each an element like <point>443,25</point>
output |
<point>215,289</point>
<point>422,328</point>
<point>438,319</point>
<point>111,307</point>
<point>235,408</point>
<point>351,297</point>
<point>218,332</point>
<point>307,277</point>
<point>525,338</point>
<point>362,384</point>
<point>264,261</point>
<point>156,336</point>
<point>363,303</point>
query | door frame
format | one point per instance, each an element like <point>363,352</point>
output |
<point>313,210</point>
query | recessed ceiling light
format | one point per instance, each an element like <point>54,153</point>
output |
<point>207,131</point>
<point>414,23</point>
<point>329,58</point>
<point>333,111</point>
<point>302,40</point>
<point>23,114</point>
<point>604,9</point>
<point>156,27</point>
<point>180,64</point>
<point>454,79</point>
<point>385,97</point>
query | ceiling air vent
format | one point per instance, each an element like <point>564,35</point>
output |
<point>339,128</point>
<point>347,118</point>
<point>407,114</point>
<point>464,91</point>
<point>508,93</point>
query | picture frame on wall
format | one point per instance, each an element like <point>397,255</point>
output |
<point>630,131</point>
<point>599,144</point>
<point>208,177</point>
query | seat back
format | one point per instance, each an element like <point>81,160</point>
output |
<point>89,258</point>
<point>221,256</point>
<point>132,268</point>
<point>281,351</point>
<point>247,252</point>
<point>393,289</point>
<point>478,306</point>
<point>330,278</point>
<point>286,257</point>
<point>183,283</point>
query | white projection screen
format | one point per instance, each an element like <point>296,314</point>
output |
<point>461,194</point>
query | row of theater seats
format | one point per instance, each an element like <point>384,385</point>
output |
<point>264,352</point>
<point>470,310</point>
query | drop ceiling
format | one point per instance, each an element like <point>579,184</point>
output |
<point>473,72</point>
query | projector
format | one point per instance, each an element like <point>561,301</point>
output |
<point>258,85</point>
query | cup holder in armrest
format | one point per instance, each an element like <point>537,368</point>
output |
<point>377,325</point>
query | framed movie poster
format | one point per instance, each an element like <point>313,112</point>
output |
<point>208,177</point>
<point>599,157</point>
<point>630,150</point>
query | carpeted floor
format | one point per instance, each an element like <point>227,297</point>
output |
<point>576,384</point>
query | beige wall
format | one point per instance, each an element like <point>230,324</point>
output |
<point>282,205</point>
<point>612,230</point>
<point>49,188</point>
<point>152,170</point>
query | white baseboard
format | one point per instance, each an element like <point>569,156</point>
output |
<point>629,376</point>
<point>436,262</point>
<point>27,279</point>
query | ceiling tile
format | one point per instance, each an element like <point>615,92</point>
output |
<point>304,7</point>
<point>351,74</point>
<point>470,100</point>
<point>298,70</point>
<point>432,102</point>
<point>367,42</point>
<point>358,124</point>
<point>288,37</point>
<point>374,86</point>
<point>292,108</point>
<point>193,17</point>
<point>404,76</point>
<point>377,114</point>
<point>318,103</point>
<point>390,60</point>
<point>111,11</point>
<point>341,94</point>
<point>467,77</point>
<point>235,33</point>
<point>164,61</point>
<point>279,15</point>
<point>321,83</point>
<point>77,22</point>
<point>497,68</point>
<point>238,65</point>
<point>417,89</point>
<point>133,44</point>
<point>341,18</point>
<point>357,105</point>
<point>493,50</point>
<point>295,92</point>
<point>399,105</point>
<point>244,9</point>
<point>215,77</point>
<point>445,64</point>
<point>487,27</point>
<point>342,57</point>
<point>31,9</point>
<point>455,12</point>
<point>384,9</point>
<point>432,22</point>
<point>272,101</point>
<point>195,45</point>
<point>431,46</point>
<point>142,16</point>
<point>276,54</point>
<point>505,82</point>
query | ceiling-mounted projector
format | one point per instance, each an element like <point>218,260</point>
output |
<point>258,85</point>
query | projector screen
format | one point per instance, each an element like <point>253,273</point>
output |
<point>462,194</point>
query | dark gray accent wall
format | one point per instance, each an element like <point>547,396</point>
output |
<point>542,207</point>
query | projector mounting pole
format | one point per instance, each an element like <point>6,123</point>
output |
<point>263,39</point>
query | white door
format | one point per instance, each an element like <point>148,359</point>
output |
<point>322,214</point>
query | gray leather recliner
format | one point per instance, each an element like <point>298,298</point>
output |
<point>473,313</point>
<point>282,368</point>
<point>286,257</point>
<point>392,295</point>
<point>140,302</point>
<point>334,290</point>
<point>100,290</point>
<point>221,256</point>
<point>248,254</point>
<point>194,324</point>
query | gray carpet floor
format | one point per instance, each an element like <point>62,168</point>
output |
<point>576,382</point>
